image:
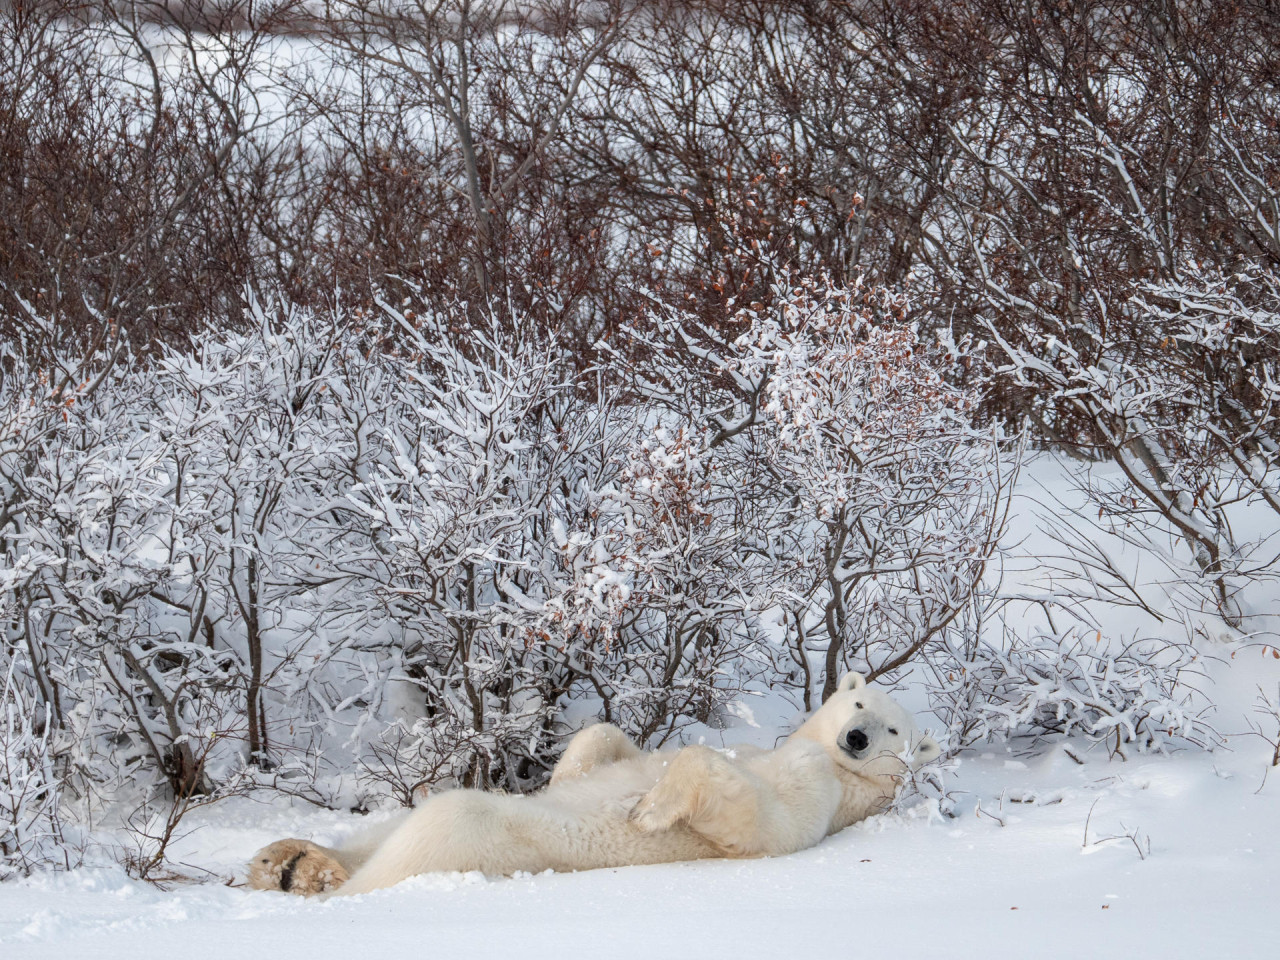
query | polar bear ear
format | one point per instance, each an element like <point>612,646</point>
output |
<point>851,681</point>
<point>927,749</point>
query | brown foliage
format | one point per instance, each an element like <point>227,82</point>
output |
<point>572,160</point>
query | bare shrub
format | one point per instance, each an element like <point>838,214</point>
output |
<point>33,834</point>
<point>844,441</point>
<point>1057,686</point>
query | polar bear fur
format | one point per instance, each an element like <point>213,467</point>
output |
<point>610,804</point>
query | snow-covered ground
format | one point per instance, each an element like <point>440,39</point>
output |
<point>1051,854</point>
<point>1015,874</point>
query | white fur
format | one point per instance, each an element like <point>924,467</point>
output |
<point>610,804</point>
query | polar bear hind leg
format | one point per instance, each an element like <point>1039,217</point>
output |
<point>306,869</point>
<point>461,830</point>
<point>598,744</point>
<point>296,866</point>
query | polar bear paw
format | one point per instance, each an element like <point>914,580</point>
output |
<point>653,816</point>
<point>666,804</point>
<point>296,866</point>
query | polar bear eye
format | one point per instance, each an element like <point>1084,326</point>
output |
<point>893,732</point>
<point>857,704</point>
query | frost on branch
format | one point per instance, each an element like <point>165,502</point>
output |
<point>1221,333</point>
<point>1178,388</point>
<point>875,504</point>
<point>658,595</point>
<point>459,513</point>
<point>32,832</point>
<point>1057,686</point>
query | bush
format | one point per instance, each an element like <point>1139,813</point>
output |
<point>1065,685</point>
<point>31,816</point>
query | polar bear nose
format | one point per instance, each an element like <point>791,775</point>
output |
<point>856,739</point>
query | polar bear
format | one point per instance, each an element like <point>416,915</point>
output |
<point>610,804</point>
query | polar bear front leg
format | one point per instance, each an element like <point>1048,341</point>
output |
<point>705,791</point>
<point>595,746</point>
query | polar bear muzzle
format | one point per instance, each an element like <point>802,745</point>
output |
<point>856,741</point>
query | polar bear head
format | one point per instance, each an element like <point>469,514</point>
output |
<point>866,732</point>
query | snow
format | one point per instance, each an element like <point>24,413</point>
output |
<point>1012,875</point>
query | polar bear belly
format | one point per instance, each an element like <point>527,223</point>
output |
<point>585,824</point>
<point>578,825</point>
